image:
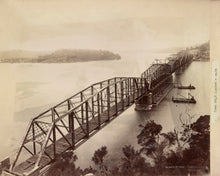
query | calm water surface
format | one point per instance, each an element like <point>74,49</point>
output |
<point>28,89</point>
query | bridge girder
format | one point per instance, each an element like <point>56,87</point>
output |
<point>72,121</point>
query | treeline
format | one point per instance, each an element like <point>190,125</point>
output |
<point>179,152</point>
<point>65,56</point>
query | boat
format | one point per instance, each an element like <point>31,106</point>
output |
<point>185,87</point>
<point>190,99</point>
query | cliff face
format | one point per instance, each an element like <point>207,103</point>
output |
<point>59,56</point>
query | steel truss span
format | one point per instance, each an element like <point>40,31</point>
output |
<point>70,123</point>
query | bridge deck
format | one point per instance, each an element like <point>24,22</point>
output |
<point>80,136</point>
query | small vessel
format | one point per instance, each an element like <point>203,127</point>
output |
<point>180,86</point>
<point>186,87</point>
<point>190,99</point>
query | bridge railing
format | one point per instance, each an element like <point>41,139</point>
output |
<point>70,122</point>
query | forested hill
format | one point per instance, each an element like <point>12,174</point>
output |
<point>58,56</point>
<point>203,52</point>
<point>200,52</point>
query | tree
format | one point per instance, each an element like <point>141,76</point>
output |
<point>98,159</point>
<point>194,141</point>
<point>199,144</point>
<point>154,144</point>
<point>132,162</point>
<point>186,147</point>
<point>65,166</point>
<point>182,148</point>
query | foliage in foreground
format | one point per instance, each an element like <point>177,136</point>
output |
<point>179,152</point>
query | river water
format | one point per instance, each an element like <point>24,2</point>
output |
<point>28,89</point>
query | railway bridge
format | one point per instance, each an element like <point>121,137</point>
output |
<point>71,122</point>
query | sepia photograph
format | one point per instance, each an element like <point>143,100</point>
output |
<point>109,88</point>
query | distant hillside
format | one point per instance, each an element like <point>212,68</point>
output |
<point>59,56</point>
<point>203,52</point>
<point>21,54</point>
<point>78,56</point>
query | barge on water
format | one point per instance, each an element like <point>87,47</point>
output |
<point>185,87</point>
<point>190,99</point>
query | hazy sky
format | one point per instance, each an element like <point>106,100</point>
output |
<point>53,24</point>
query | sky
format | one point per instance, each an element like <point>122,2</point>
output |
<point>102,24</point>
